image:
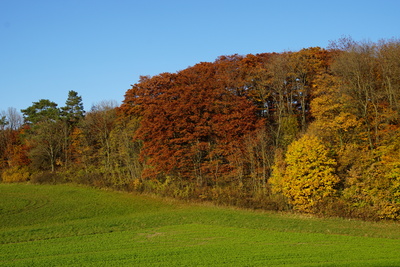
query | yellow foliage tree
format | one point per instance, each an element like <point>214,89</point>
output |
<point>308,177</point>
<point>333,112</point>
<point>373,184</point>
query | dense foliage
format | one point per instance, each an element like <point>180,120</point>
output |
<point>309,176</point>
<point>315,130</point>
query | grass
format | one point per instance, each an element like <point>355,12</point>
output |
<point>66,225</point>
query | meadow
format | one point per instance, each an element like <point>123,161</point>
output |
<point>69,225</point>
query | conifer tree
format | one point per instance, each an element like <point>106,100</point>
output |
<point>73,110</point>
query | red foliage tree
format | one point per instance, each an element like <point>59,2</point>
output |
<point>192,124</point>
<point>16,150</point>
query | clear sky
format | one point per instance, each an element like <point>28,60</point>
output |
<point>100,47</point>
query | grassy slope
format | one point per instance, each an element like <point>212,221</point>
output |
<point>69,225</point>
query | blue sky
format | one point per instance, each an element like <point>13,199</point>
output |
<point>100,47</point>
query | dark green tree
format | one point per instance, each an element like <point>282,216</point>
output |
<point>43,110</point>
<point>73,110</point>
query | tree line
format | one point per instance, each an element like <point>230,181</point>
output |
<point>315,131</point>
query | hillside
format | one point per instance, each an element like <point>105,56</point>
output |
<point>80,226</point>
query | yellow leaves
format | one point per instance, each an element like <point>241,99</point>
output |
<point>346,121</point>
<point>307,175</point>
<point>390,211</point>
<point>278,170</point>
<point>16,174</point>
<point>373,179</point>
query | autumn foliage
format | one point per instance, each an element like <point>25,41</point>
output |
<point>308,177</point>
<point>191,125</point>
<point>313,131</point>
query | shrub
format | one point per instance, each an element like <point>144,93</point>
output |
<point>46,177</point>
<point>16,174</point>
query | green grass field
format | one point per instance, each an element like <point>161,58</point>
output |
<point>79,226</point>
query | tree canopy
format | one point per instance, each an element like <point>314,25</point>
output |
<point>315,130</point>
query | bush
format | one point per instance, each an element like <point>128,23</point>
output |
<point>16,174</point>
<point>46,177</point>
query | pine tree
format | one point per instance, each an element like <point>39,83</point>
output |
<point>73,110</point>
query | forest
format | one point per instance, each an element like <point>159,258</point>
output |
<point>313,131</point>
